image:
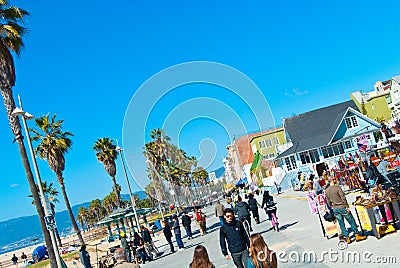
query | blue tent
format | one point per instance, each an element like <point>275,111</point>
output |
<point>39,253</point>
<point>241,181</point>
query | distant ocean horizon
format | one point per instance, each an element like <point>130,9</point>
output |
<point>15,234</point>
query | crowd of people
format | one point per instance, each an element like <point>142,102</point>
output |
<point>236,243</point>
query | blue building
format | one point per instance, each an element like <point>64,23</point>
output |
<point>321,137</point>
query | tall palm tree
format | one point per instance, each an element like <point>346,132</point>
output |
<point>53,144</point>
<point>11,34</point>
<point>106,153</point>
<point>51,193</point>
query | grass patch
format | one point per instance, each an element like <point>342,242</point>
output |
<point>66,257</point>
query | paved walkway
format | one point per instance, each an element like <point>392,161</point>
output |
<point>301,234</point>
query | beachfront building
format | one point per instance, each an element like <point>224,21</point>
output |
<point>321,137</point>
<point>268,143</point>
<point>394,98</point>
<point>374,104</point>
<point>240,157</point>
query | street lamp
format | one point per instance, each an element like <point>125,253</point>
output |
<point>155,190</point>
<point>49,218</point>
<point>119,149</point>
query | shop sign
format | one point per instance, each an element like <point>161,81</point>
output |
<point>395,163</point>
<point>362,143</point>
<point>312,203</point>
<point>321,200</point>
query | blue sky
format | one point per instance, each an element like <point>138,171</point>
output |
<point>85,60</point>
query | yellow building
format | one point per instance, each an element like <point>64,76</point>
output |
<point>374,104</point>
<point>268,143</point>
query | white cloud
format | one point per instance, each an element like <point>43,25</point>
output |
<point>296,92</point>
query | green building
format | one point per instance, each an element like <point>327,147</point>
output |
<point>268,143</point>
<point>373,104</point>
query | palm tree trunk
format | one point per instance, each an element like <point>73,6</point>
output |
<point>71,216</point>
<point>16,129</point>
<point>116,191</point>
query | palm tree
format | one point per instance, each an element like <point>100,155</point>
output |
<point>82,217</point>
<point>11,34</point>
<point>53,144</point>
<point>51,193</point>
<point>106,154</point>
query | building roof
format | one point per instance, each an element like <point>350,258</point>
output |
<point>315,128</point>
<point>267,132</point>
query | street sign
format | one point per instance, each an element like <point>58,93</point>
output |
<point>50,222</point>
<point>321,200</point>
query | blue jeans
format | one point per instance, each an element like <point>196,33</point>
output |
<point>341,214</point>
<point>221,220</point>
<point>178,239</point>
<point>188,230</point>
<point>143,255</point>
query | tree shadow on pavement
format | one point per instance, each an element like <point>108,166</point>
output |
<point>163,254</point>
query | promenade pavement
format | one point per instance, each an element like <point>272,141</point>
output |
<point>300,237</point>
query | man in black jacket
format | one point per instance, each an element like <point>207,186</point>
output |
<point>238,241</point>
<point>186,222</point>
<point>242,209</point>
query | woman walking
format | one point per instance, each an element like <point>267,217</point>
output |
<point>261,255</point>
<point>200,258</point>
<point>254,208</point>
<point>168,235</point>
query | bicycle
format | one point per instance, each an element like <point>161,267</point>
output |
<point>271,212</point>
<point>274,221</point>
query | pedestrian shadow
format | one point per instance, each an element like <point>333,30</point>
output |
<point>193,245</point>
<point>284,227</point>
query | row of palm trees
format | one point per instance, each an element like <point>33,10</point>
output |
<point>170,164</point>
<point>98,209</point>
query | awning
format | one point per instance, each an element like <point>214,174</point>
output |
<point>241,181</point>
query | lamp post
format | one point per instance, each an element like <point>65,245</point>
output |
<point>49,218</point>
<point>119,149</point>
<point>155,190</point>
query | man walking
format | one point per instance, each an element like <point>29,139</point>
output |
<point>84,257</point>
<point>186,222</point>
<point>242,209</point>
<point>177,232</point>
<point>219,212</point>
<point>200,219</point>
<point>234,234</point>
<point>336,199</point>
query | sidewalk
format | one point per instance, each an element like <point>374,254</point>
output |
<point>301,235</point>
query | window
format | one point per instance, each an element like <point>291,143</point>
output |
<point>310,156</point>
<point>290,163</point>
<point>348,144</point>
<point>261,144</point>
<point>332,150</point>
<point>268,143</point>
<point>268,156</point>
<point>275,140</point>
<point>265,143</point>
<point>351,122</point>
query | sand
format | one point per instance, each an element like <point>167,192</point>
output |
<point>102,248</point>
